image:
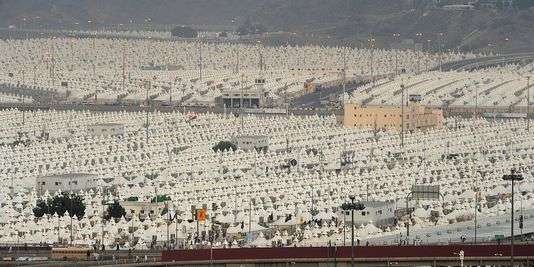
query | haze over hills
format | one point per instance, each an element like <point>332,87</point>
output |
<point>349,20</point>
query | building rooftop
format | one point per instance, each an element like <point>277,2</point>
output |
<point>107,124</point>
<point>68,176</point>
<point>251,136</point>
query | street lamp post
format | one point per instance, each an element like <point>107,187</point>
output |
<point>512,177</point>
<point>352,206</point>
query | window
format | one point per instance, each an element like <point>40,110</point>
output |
<point>363,213</point>
<point>132,211</point>
<point>43,183</point>
<point>58,183</point>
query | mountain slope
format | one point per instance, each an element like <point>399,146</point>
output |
<point>353,20</point>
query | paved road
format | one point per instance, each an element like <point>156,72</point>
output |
<point>474,63</point>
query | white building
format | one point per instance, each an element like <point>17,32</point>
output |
<point>106,129</point>
<point>249,142</point>
<point>66,182</point>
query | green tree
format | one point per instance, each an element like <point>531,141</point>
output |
<point>224,146</point>
<point>115,211</point>
<point>71,203</point>
<point>41,208</point>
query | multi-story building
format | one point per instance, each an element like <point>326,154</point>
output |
<point>66,182</point>
<point>416,117</point>
<point>249,97</point>
<point>106,129</point>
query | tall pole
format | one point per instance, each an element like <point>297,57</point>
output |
<point>344,77</point>
<point>528,103</point>
<point>512,229</point>
<point>476,100</point>
<point>372,46</point>
<point>58,230</point>
<point>396,37</point>
<point>200,60</point>
<point>241,103</point>
<point>344,228</point>
<point>123,68</point>
<point>402,114</point>
<point>476,211</point>
<point>168,221</point>
<point>249,220</point>
<point>69,212</point>
<point>102,223</point>
<point>352,232</point>
<point>512,177</point>
<point>170,92</point>
<point>53,61</point>
<point>147,108</point>
<point>23,112</point>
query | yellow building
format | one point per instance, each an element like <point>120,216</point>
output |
<point>416,117</point>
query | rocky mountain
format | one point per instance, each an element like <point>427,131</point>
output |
<point>347,20</point>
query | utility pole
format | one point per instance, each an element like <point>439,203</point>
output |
<point>123,68</point>
<point>241,104</point>
<point>71,209</point>
<point>441,51</point>
<point>512,177</point>
<point>23,112</point>
<point>147,109</point>
<point>249,220</point>
<point>168,222</point>
<point>103,219</point>
<point>396,36</point>
<point>52,60</point>
<point>352,206</point>
<point>344,76</point>
<point>237,61</point>
<point>200,60</point>
<point>528,104</point>
<point>372,46</point>
<point>402,114</point>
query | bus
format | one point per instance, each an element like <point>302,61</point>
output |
<point>70,253</point>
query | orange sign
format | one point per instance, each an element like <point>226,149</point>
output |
<point>200,215</point>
